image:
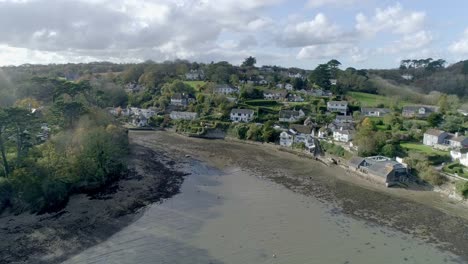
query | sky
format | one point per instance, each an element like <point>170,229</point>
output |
<point>304,33</point>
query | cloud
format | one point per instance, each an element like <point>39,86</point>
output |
<point>460,47</point>
<point>320,3</point>
<point>393,18</point>
<point>319,30</point>
<point>409,42</point>
<point>324,51</point>
<point>108,29</point>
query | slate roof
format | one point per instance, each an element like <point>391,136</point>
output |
<point>344,118</point>
<point>242,111</point>
<point>356,161</point>
<point>301,128</point>
<point>434,132</point>
<point>383,168</point>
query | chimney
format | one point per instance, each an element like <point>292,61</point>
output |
<point>457,134</point>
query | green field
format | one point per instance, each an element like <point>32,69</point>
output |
<point>195,84</point>
<point>373,100</point>
<point>418,147</point>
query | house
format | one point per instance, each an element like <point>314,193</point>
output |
<point>289,87</point>
<point>242,115</point>
<point>418,111</point>
<point>263,82</point>
<point>290,115</point>
<point>302,133</point>
<point>286,139</point>
<point>324,132</point>
<point>433,137</point>
<point>140,121</point>
<point>280,86</point>
<point>133,87</point>
<point>374,112</point>
<point>175,115</point>
<point>343,119</point>
<point>44,133</point>
<point>460,155</point>
<point>179,99</point>
<point>443,140</point>
<point>407,77</point>
<point>295,98</point>
<point>294,75</point>
<point>333,81</point>
<point>456,141</point>
<point>338,106</point>
<point>343,135</point>
<point>225,89</point>
<point>194,75</point>
<point>380,168</point>
<point>275,95</point>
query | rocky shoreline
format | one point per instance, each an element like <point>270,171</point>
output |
<point>90,219</point>
<point>423,214</point>
<point>158,165</point>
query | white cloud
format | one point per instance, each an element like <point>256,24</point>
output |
<point>320,3</point>
<point>460,47</point>
<point>106,29</point>
<point>393,18</point>
<point>326,51</point>
<point>410,42</point>
<point>319,30</point>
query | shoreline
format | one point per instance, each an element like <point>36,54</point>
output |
<point>426,215</point>
<point>160,159</point>
<point>88,220</point>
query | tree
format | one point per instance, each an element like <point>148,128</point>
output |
<point>3,125</point>
<point>249,62</point>
<point>321,76</point>
<point>20,123</point>
<point>334,65</point>
<point>443,103</point>
<point>452,123</point>
<point>434,119</point>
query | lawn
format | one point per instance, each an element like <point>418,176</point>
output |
<point>195,84</point>
<point>418,147</point>
<point>373,100</point>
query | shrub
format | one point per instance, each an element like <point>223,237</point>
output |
<point>432,176</point>
<point>462,188</point>
<point>6,193</point>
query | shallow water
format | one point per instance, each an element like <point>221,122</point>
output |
<point>234,217</point>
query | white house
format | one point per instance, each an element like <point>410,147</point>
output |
<point>140,121</point>
<point>275,95</point>
<point>338,106</point>
<point>295,98</point>
<point>443,140</point>
<point>374,112</point>
<point>280,86</point>
<point>179,99</point>
<point>290,115</point>
<point>333,81</point>
<point>242,115</point>
<point>175,115</point>
<point>433,137</point>
<point>225,89</point>
<point>343,119</point>
<point>195,75</point>
<point>460,155</point>
<point>286,139</point>
<point>301,133</point>
<point>343,135</point>
<point>288,87</point>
